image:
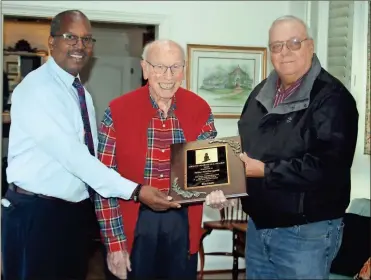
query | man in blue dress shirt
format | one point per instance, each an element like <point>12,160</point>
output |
<point>53,168</point>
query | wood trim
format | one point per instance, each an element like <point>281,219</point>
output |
<point>6,117</point>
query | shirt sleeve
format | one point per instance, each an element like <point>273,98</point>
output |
<point>108,209</point>
<point>45,119</point>
<point>208,131</point>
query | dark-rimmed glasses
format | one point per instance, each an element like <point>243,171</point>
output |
<point>292,44</point>
<point>72,40</point>
<point>162,69</point>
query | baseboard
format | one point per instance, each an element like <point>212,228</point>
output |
<point>221,271</point>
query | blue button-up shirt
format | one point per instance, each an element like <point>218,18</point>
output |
<point>47,154</point>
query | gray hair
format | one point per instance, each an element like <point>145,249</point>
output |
<point>148,46</point>
<point>292,18</point>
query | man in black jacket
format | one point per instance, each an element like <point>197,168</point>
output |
<point>299,131</point>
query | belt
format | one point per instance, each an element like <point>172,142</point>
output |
<point>17,189</point>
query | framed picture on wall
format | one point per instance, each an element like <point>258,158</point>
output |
<point>12,67</point>
<point>224,76</point>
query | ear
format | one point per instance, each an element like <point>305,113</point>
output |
<point>51,42</point>
<point>144,69</point>
<point>311,46</point>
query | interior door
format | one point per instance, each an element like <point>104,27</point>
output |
<point>109,77</point>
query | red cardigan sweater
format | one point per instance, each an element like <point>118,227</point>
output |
<point>131,114</point>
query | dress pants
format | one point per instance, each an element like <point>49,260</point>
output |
<point>160,248</point>
<point>45,239</point>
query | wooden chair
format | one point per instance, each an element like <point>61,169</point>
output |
<point>239,243</point>
<point>228,216</point>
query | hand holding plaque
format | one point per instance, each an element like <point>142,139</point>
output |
<point>200,167</point>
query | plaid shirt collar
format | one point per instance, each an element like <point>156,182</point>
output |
<point>290,89</point>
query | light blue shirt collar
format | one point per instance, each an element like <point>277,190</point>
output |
<point>65,77</point>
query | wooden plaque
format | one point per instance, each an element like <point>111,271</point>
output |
<point>200,167</point>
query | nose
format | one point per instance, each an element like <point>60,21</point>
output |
<point>168,73</point>
<point>79,44</point>
<point>285,50</point>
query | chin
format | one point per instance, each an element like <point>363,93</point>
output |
<point>166,93</point>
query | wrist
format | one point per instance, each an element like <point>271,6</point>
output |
<point>136,192</point>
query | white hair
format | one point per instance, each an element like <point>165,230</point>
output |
<point>148,46</point>
<point>292,18</point>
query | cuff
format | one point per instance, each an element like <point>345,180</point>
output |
<point>115,244</point>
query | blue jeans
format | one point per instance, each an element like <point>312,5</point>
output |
<point>299,252</point>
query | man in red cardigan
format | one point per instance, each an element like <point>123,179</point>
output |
<point>135,138</point>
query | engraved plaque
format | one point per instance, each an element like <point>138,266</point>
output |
<point>200,167</point>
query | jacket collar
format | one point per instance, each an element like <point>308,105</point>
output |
<point>297,101</point>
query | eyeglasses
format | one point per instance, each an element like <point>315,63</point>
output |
<point>162,69</point>
<point>292,44</point>
<point>72,40</point>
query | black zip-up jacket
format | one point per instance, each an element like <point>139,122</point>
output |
<point>307,144</point>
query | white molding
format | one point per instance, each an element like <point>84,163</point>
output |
<point>308,13</point>
<point>322,32</point>
<point>162,20</point>
<point>359,51</point>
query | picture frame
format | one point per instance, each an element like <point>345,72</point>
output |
<point>224,76</point>
<point>12,67</point>
<point>367,137</point>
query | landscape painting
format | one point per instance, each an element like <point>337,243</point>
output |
<point>225,76</point>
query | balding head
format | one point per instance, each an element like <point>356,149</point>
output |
<point>60,19</point>
<point>294,20</point>
<point>162,44</point>
<point>291,48</point>
<point>163,65</point>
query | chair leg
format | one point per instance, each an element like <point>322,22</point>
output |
<point>201,251</point>
<point>235,257</point>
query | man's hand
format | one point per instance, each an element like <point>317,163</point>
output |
<point>156,199</point>
<point>217,200</point>
<point>119,263</point>
<point>253,167</point>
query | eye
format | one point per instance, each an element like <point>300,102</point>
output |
<point>276,46</point>
<point>70,37</point>
<point>86,40</point>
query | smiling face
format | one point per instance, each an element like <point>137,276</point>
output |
<point>290,64</point>
<point>71,56</point>
<point>164,81</point>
